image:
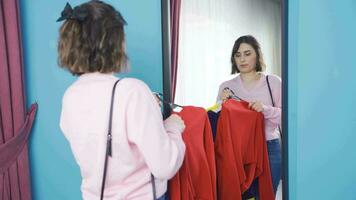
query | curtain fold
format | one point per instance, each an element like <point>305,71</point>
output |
<point>15,124</point>
<point>10,150</point>
<point>174,23</point>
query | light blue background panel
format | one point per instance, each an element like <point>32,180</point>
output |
<point>321,99</point>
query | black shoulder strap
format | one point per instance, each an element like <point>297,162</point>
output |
<point>108,140</point>
<point>109,151</point>
<point>270,93</point>
<point>153,187</point>
<point>269,89</point>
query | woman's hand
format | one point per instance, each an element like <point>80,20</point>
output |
<point>256,106</point>
<point>226,94</point>
<point>176,119</point>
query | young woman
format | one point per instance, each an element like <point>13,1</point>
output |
<point>91,46</point>
<point>251,85</point>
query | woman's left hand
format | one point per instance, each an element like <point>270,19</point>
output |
<point>256,106</point>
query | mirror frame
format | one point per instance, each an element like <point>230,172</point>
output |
<point>166,72</point>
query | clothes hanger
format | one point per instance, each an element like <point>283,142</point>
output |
<point>160,97</point>
<point>232,95</point>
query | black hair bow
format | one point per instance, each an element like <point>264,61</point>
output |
<point>69,13</point>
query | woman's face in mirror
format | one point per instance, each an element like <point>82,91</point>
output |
<point>245,58</point>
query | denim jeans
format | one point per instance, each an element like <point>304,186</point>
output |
<point>275,161</point>
<point>275,164</point>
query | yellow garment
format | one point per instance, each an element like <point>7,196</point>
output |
<point>213,108</point>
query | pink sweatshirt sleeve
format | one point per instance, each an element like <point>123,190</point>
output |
<point>273,113</point>
<point>160,143</point>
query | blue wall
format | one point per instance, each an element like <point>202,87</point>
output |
<point>322,88</point>
<point>54,172</point>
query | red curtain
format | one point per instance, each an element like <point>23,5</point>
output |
<point>174,22</point>
<point>15,123</point>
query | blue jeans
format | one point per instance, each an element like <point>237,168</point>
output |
<point>275,161</point>
<point>163,197</point>
<point>275,164</point>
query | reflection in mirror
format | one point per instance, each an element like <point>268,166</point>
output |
<point>207,32</point>
<point>220,37</point>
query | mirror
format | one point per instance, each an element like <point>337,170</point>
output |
<point>198,40</point>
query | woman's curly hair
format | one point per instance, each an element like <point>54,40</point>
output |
<point>95,44</point>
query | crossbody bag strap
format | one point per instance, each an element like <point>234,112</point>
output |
<point>108,141</point>
<point>270,93</point>
<point>153,187</point>
<point>109,148</point>
<point>269,89</point>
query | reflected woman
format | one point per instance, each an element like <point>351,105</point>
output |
<point>252,85</point>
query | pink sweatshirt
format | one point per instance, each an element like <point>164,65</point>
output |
<point>142,143</point>
<point>260,92</point>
